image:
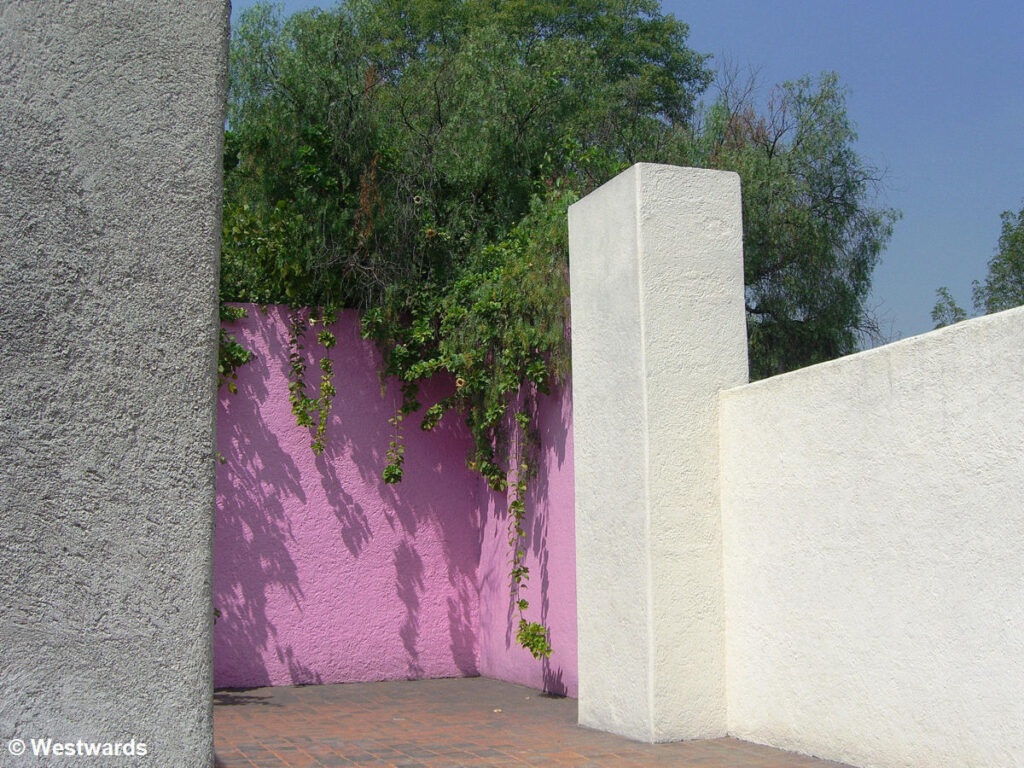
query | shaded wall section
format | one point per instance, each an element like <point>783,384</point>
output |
<point>323,573</point>
<point>551,558</point>
<point>111,124</point>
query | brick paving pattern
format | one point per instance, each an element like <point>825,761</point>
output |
<point>444,724</point>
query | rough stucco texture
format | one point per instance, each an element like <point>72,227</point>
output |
<point>873,530</point>
<point>657,309</point>
<point>324,574</point>
<point>550,556</point>
<point>111,118</point>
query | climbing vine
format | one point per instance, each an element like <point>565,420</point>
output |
<point>532,635</point>
<point>498,335</point>
<point>309,411</point>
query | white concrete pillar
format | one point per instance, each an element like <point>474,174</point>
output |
<point>658,328</point>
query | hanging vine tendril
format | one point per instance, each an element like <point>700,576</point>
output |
<point>311,412</point>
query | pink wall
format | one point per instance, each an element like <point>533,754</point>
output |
<point>322,573</point>
<point>551,548</point>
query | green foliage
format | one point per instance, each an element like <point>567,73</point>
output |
<point>310,411</point>
<point>811,237</point>
<point>1004,284</point>
<point>946,311</point>
<point>395,457</point>
<point>381,144</point>
<point>230,354</point>
<point>498,331</point>
<point>533,636</point>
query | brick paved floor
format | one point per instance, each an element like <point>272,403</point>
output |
<point>450,723</point>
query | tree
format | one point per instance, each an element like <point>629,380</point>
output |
<point>811,236</point>
<point>383,143</point>
<point>946,311</point>
<point>1004,284</point>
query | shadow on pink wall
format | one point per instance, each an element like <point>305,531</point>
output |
<point>325,574</point>
<point>550,544</point>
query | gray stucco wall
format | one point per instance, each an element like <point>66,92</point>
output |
<point>111,118</point>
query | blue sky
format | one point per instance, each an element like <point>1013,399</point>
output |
<point>936,90</point>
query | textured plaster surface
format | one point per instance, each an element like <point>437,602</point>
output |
<point>658,328</point>
<point>111,119</point>
<point>550,556</point>
<point>873,531</point>
<point>325,574</point>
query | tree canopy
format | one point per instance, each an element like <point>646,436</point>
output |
<point>811,238</point>
<point>382,147</point>
<point>383,143</point>
<point>1003,287</point>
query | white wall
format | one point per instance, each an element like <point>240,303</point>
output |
<point>873,536</point>
<point>657,330</point>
